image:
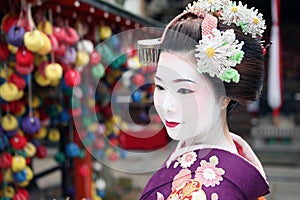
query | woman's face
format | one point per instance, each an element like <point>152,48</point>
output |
<point>183,98</point>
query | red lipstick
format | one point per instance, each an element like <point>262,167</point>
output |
<point>171,124</point>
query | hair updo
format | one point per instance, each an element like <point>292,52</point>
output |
<point>251,69</point>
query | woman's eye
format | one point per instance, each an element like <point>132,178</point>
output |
<point>159,87</point>
<point>185,91</point>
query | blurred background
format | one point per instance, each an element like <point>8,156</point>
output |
<point>77,148</point>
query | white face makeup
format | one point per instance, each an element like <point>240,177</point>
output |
<point>183,99</point>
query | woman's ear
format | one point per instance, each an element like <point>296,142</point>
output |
<point>224,102</point>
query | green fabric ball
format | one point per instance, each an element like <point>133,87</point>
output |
<point>121,59</point>
<point>60,157</point>
<point>75,103</point>
<point>86,121</point>
<point>82,154</point>
<point>98,71</point>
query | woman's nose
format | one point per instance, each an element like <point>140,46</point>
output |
<point>169,103</point>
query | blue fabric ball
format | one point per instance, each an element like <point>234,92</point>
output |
<point>137,96</point>
<point>72,150</point>
<point>20,176</point>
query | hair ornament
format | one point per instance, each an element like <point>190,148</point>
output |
<point>217,54</point>
<point>229,12</point>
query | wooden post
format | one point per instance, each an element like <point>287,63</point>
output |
<point>82,173</point>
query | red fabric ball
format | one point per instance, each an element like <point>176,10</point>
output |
<point>41,151</point>
<point>4,52</point>
<point>23,191</point>
<point>24,70</point>
<point>42,67</point>
<point>54,42</point>
<point>19,196</point>
<point>1,177</point>
<point>18,81</point>
<point>75,112</point>
<point>138,79</point>
<point>28,161</point>
<point>71,36</point>
<point>6,160</point>
<point>18,142</point>
<point>15,106</point>
<point>95,58</point>
<point>83,170</point>
<point>72,78</point>
<point>8,21</point>
<point>59,33</point>
<point>61,49</point>
<point>24,56</point>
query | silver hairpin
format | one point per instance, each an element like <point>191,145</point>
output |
<point>148,51</point>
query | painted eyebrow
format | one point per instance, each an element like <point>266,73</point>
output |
<point>183,80</point>
<point>178,80</point>
<point>158,78</point>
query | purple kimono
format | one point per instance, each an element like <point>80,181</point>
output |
<point>206,174</point>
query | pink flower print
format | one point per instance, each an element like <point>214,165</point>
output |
<point>190,190</point>
<point>181,178</point>
<point>187,159</point>
<point>208,174</point>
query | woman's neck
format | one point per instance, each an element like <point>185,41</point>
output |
<point>218,136</point>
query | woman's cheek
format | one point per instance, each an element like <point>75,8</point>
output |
<point>157,98</point>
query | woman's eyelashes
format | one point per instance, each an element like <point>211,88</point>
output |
<point>180,90</point>
<point>159,87</point>
<point>185,91</point>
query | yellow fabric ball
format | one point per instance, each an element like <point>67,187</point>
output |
<point>9,122</point>
<point>12,49</point>
<point>33,40</point>
<point>53,71</point>
<point>29,173</point>
<point>54,135</point>
<point>41,134</point>
<point>9,192</point>
<point>8,176</point>
<point>91,102</point>
<point>38,59</point>
<point>46,48</point>
<point>82,59</point>
<point>22,111</point>
<point>9,91</point>
<point>46,27</point>
<point>30,149</point>
<point>93,127</point>
<point>20,95</point>
<point>18,163</point>
<point>109,151</point>
<point>104,32</point>
<point>36,102</point>
<point>41,80</point>
<point>24,183</point>
<point>3,72</point>
<point>117,119</point>
<point>55,83</point>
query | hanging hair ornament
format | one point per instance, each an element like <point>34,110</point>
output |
<point>229,12</point>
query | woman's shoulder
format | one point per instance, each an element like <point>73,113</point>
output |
<point>247,152</point>
<point>213,172</point>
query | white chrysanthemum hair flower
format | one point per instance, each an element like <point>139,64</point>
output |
<point>253,23</point>
<point>206,5</point>
<point>218,53</point>
<point>233,13</point>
